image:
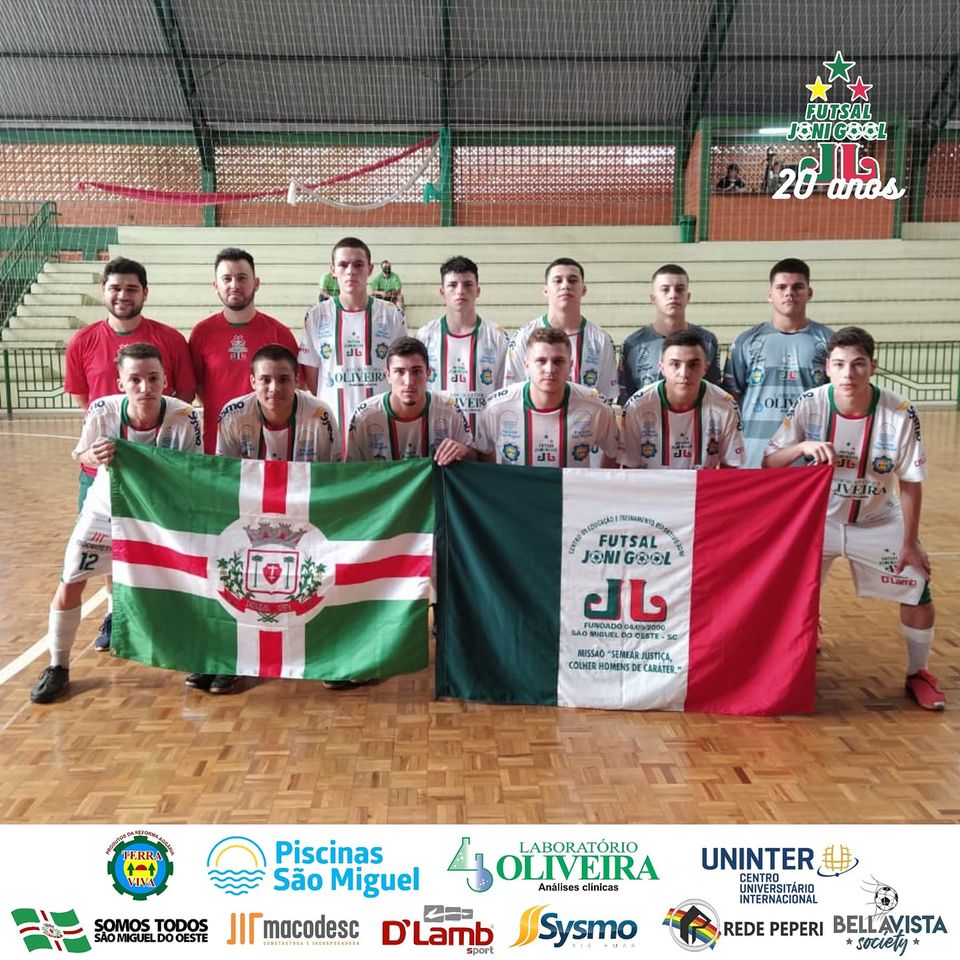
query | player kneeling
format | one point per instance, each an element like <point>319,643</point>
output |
<point>868,435</point>
<point>140,414</point>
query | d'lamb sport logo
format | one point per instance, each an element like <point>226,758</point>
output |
<point>236,865</point>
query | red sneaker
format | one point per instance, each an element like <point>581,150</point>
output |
<point>925,689</point>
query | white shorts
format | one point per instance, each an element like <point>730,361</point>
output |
<point>872,550</point>
<point>88,552</point>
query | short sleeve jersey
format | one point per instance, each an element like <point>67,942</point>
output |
<point>519,433</point>
<point>348,348</point>
<point>640,359</point>
<point>468,366</point>
<point>377,433</point>
<point>221,354</point>
<point>769,370</point>
<point>594,359</point>
<point>702,437</point>
<point>92,358</point>
<point>310,434</point>
<point>178,428</point>
<point>871,451</point>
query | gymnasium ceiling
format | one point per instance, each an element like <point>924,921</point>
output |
<point>401,65</point>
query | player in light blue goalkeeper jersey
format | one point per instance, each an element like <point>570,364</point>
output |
<point>770,365</point>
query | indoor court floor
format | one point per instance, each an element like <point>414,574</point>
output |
<point>132,744</point>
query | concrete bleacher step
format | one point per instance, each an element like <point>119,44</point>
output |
<point>900,289</point>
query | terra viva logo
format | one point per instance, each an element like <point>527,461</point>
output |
<point>140,864</point>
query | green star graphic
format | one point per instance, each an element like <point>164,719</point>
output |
<point>839,68</point>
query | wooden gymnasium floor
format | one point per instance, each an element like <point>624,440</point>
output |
<point>133,745</point>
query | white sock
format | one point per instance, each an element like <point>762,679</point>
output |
<point>919,643</point>
<point>110,601</point>
<point>62,627</point>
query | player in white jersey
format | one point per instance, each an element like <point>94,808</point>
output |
<point>641,351</point>
<point>870,436</point>
<point>770,365</point>
<point>345,339</point>
<point>594,361</point>
<point>409,421</point>
<point>547,421</point>
<point>682,422</point>
<point>142,414</point>
<point>467,353</point>
<point>277,421</point>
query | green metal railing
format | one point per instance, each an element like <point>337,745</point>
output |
<point>36,240</point>
<point>33,379</point>
<point>921,372</point>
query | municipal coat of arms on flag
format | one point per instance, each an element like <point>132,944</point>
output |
<point>630,589</point>
<point>270,568</point>
<point>48,930</point>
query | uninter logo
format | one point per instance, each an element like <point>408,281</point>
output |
<point>760,871</point>
<point>537,925</point>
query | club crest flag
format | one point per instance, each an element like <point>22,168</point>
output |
<point>270,568</point>
<point>49,930</point>
<point>630,589</point>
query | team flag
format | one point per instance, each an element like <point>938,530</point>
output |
<point>269,568</point>
<point>47,930</point>
<point>630,589</point>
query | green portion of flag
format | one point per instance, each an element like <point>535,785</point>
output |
<point>487,575</point>
<point>362,501</point>
<point>190,491</point>
<point>357,640</point>
<point>175,490</point>
<point>177,631</point>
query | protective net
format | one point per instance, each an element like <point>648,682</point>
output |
<point>492,112</point>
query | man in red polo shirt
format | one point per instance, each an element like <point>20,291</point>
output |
<point>222,345</point>
<point>92,359</point>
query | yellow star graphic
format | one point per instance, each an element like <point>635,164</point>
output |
<point>818,89</point>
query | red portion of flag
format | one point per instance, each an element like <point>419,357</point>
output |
<point>275,486</point>
<point>152,555</point>
<point>753,625</point>
<point>271,653</point>
<point>403,565</point>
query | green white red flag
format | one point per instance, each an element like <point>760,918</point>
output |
<point>270,568</point>
<point>630,589</point>
<point>50,930</point>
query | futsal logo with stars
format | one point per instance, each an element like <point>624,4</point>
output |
<point>838,128</point>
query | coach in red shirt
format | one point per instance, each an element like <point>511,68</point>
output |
<point>222,345</point>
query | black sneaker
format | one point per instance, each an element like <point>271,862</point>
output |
<point>103,637</point>
<point>53,683</point>
<point>199,681</point>
<point>223,683</point>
